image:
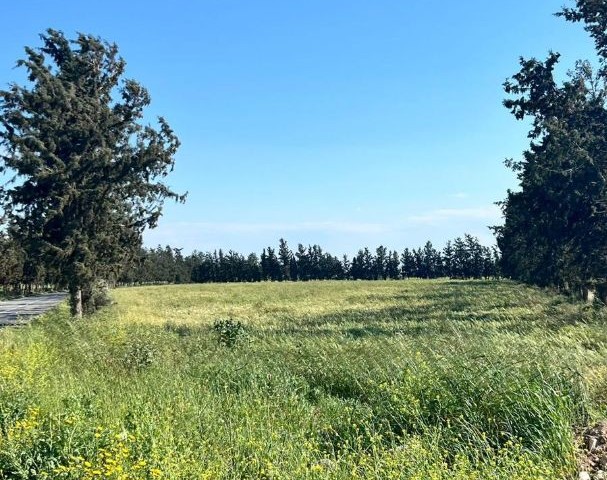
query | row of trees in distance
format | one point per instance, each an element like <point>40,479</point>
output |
<point>461,258</point>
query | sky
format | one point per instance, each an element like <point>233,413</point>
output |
<point>346,123</point>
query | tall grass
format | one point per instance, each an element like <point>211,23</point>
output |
<point>375,380</point>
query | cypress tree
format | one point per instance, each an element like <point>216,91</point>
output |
<point>90,175</point>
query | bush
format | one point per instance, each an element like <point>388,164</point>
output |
<point>229,332</point>
<point>101,294</point>
<point>139,355</point>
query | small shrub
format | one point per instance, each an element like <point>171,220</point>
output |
<point>229,332</point>
<point>139,355</point>
<point>101,294</point>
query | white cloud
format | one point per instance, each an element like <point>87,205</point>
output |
<point>443,215</point>
<point>460,195</point>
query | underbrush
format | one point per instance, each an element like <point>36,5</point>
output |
<point>427,380</point>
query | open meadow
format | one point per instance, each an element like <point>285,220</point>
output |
<point>412,379</point>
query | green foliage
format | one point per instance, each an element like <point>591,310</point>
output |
<point>87,174</point>
<point>555,224</point>
<point>101,294</point>
<point>229,332</point>
<point>138,354</point>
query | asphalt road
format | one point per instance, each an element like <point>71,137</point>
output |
<point>22,310</point>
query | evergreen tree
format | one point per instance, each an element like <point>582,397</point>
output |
<point>430,259</point>
<point>293,268</point>
<point>407,262</point>
<point>253,269</point>
<point>420,269</point>
<point>264,265</point>
<point>392,265</point>
<point>357,266</point>
<point>303,263</point>
<point>284,256</point>
<point>88,172</point>
<point>555,226</point>
<point>169,265</point>
<point>11,264</point>
<point>273,267</point>
<point>346,266</point>
<point>381,259</point>
<point>448,260</point>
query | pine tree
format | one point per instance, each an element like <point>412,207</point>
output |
<point>448,260</point>
<point>381,258</point>
<point>368,265</point>
<point>555,226</point>
<point>89,173</point>
<point>303,263</point>
<point>392,265</point>
<point>284,256</point>
<point>346,266</point>
<point>407,262</point>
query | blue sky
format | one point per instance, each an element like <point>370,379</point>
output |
<point>343,123</point>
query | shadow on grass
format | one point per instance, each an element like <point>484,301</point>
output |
<point>492,305</point>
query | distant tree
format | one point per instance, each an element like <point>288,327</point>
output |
<point>253,272</point>
<point>11,263</point>
<point>407,264</point>
<point>420,269</point>
<point>475,267</point>
<point>315,255</point>
<point>381,259</point>
<point>332,268</point>
<point>303,263</point>
<point>461,259</point>
<point>448,259</point>
<point>264,266</point>
<point>272,266</point>
<point>368,264</point>
<point>357,266</point>
<point>431,261</point>
<point>293,268</point>
<point>392,264</point>
<point>284,256</point>
<point>346,266</point>
<point>169,265</point>
<point>88,174</point>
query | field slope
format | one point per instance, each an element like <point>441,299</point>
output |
<point>376,380</point>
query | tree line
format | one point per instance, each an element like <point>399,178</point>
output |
<point>461,258</point>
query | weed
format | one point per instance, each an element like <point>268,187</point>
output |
<point>139,355</point>
<point>229,332</point>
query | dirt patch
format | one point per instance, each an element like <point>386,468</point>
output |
<point>593,458</point>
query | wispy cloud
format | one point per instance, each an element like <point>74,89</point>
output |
<point>443,215</point>
<point>334,235</point>
<point>278,227</point>
<point>460,195</point>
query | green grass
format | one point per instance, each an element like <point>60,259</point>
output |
<point>376,380</point>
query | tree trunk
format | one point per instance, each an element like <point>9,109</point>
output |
<point>88,303</point>
<point>588,293</point>
<point>76,302</point>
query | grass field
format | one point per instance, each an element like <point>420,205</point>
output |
<point>340,380</point>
